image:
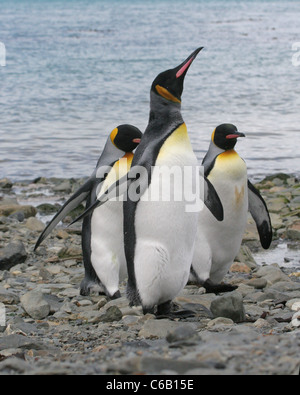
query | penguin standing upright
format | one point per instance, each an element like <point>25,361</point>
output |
<point>218,243</point>
<point>102,229</point>
<point>159,235</point>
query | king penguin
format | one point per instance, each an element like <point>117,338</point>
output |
<point>102,230</point>
<point>159,235</point>
<point>218,243</point>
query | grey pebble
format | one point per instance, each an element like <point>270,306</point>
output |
<point>36,305</point>
<point>229,306</point>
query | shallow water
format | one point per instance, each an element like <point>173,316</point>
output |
<point>76,69</point>
<point>283,254</point>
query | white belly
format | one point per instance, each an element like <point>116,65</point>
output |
<point>165,232</point>
<point>107,245</point>
<point>107,240</point>
<point>218,243</point>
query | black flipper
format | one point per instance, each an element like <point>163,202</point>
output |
<point>261,216</point>
<point>212,201</point>
<point>79,196</point>
<point>111,192</point>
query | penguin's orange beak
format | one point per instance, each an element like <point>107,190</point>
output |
<point>136,141</point>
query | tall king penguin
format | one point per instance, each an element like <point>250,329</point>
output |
<point>102,230</point>
<point>218,243</point>
<point>159,235</point>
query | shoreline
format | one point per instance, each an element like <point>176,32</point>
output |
<point>42,197</point>
<point>51,329</point>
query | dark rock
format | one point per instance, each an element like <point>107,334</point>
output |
<point>112,314</point>
<point>19,341</point>
<point>229,306</point>
<point>5,183</point>
<point>13,254</point>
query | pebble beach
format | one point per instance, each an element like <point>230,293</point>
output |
<point>47,328</point>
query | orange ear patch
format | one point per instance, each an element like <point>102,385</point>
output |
<point>166,94</point>
<point>113,135</point>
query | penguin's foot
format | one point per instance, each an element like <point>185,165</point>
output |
<point>90,286</point>
<point>85,292</point>
<point>169,310</point>
<point>148,310</point>
<point>218,288</point>
<point>181,314</point>
<point>89,291</point>
<point>116,295</point>
<point>133,295</point>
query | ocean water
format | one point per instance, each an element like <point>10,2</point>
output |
<point>77,69</point>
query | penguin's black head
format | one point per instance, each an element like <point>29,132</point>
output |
<point>169,84</point>
<point>225,136</point>
<point>126,137</point>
